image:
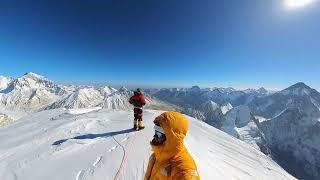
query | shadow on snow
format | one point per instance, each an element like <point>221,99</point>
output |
<point>93,136</point>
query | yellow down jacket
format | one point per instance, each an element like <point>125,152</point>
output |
<point>172,161</point>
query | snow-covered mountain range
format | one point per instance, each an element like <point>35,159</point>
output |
<point>30,92</point>
<point>33,92</point>
<point>292,128</point>
<point>284,124</point>
<point>215,107</point>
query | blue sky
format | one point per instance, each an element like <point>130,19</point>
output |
<point>162,43</point>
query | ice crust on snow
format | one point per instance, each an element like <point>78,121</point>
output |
<point>82,110</point>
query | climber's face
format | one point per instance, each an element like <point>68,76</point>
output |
<point>159,137</point>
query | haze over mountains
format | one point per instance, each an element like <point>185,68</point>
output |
<point>284,125</point>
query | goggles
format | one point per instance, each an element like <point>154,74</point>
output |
<point>158,131</point>
<point>159,134</point>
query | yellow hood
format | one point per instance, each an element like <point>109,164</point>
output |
<point>175,127</point>
<point>171,160</point>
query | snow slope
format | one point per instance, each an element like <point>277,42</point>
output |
<point>4,82</point>
<point>5,120</point>
<point>65,145</point>
<point>29,92</point>
<point>241,124</point>
<point>226,108</point>
<point>293,136</point>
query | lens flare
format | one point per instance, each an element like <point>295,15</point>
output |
<point>294,4</point>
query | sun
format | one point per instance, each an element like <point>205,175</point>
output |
<point>294,4</point>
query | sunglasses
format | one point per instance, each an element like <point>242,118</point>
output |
<point>159,134</point>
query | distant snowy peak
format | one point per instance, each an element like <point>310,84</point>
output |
<point>294,135</point>
<point>88,97</point>
<point>210,106</point>
<point>30,92</point>
<point>226,108</point>
<point>261,91</point>
<point>108,90</point>
<point>211,113</point>
<point>195,89</point>
<point>240,123</point>
<point>34,81</point>
<point>220,90</point>
<point>299,85</point>
<point>33,75</point>
<point>240,116</point>
<point>298,89</point>
<point>178,89</point>
<point>82,98</point>
<point>297,96</point>
<point>4,82</point>
<point>225,90</point>
<point>123,89</point>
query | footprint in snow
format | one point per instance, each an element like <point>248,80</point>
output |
<point>113,148</point>
<point>124,139</point>
<point>97,162</point>
<point>80,175</point>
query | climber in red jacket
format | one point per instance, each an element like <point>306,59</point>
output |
<point>138,101</point>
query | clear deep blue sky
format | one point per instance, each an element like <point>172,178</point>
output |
<point>247,43</point>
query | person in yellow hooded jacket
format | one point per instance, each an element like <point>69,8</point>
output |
<point>170,159</point>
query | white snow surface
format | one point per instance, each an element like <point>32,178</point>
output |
<point>261,119</point>
<point>5,120</point>
<point>82,110</point>
<point>226,108</point>
<point>30,92</point>
<point>240,124</point>
<point>100,145</point>
<point>4,82</point>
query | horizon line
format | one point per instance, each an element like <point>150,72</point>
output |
<point>146,85</point>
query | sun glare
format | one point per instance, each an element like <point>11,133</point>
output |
<point>294,4</point>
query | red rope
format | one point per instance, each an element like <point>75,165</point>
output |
<point>124,159</point>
